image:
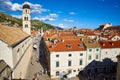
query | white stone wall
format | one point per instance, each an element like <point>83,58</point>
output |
<point>110,53</point>
<point>93,53</point>
<point>6,53</point>
<point>63,61</point>
<point>91,36</point>
<point>21,58</point>
<point>17,60</point>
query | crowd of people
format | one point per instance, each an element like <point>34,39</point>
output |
<point>40,73</point>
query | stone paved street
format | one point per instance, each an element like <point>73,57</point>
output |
<point>35,67</point>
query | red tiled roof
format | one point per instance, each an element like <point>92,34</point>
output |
<point>109,44</point>
<point>33,32</point>
<point>63,46</point>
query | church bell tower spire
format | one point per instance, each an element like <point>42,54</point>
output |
<point>26,19</point>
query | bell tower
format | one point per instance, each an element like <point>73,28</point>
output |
<point>26,19</point>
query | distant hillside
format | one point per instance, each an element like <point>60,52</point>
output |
<point>36,24</point>
<point>117,27</point>
<point>7,19</point>
<point>58,28</point>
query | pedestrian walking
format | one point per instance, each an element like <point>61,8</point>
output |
<point>37,74</point>
<point>45,71</point>
<point>42,71</point>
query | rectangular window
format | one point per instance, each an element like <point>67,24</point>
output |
<point>69,63</point>
<point>96,56</point>
<point>97,49</point>
<point>106,52</point>
<point>89,57</point>
<point>81,54</point>
<point>57,55</point>
<point>25,18</point>
<point>90,50</point>
<point>69,55</point>
<point>57,64</point>
<point>74,70</point>
<point>81,62</point>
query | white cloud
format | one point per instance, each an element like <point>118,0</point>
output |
<point>17,16</point>
<point>16,7</point>
<point>36,8</point>
<point>72,13</point>
<point>67,20</point>
<point>36,18</point>
<point>49,17</point>
<point>62,26</point>
<point>8,5</point>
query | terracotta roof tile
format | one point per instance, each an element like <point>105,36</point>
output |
<point>109,44</point>
<point>68,45</point>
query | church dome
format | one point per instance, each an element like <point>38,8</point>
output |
<point>26,6</point>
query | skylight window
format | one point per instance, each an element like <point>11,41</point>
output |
<point>80,45</point>
<point>69,46</point>
<point>111,43</point>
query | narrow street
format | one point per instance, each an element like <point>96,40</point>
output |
<point>35,68</point>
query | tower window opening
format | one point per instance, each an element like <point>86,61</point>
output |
<point>26,11</point>
<point>26,26</point>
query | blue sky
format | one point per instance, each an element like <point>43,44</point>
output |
<point>67,13</point>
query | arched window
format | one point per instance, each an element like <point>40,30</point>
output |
<point>26,18</point>
<point>26,10</point>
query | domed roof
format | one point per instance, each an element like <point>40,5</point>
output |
<point>26,6</point>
